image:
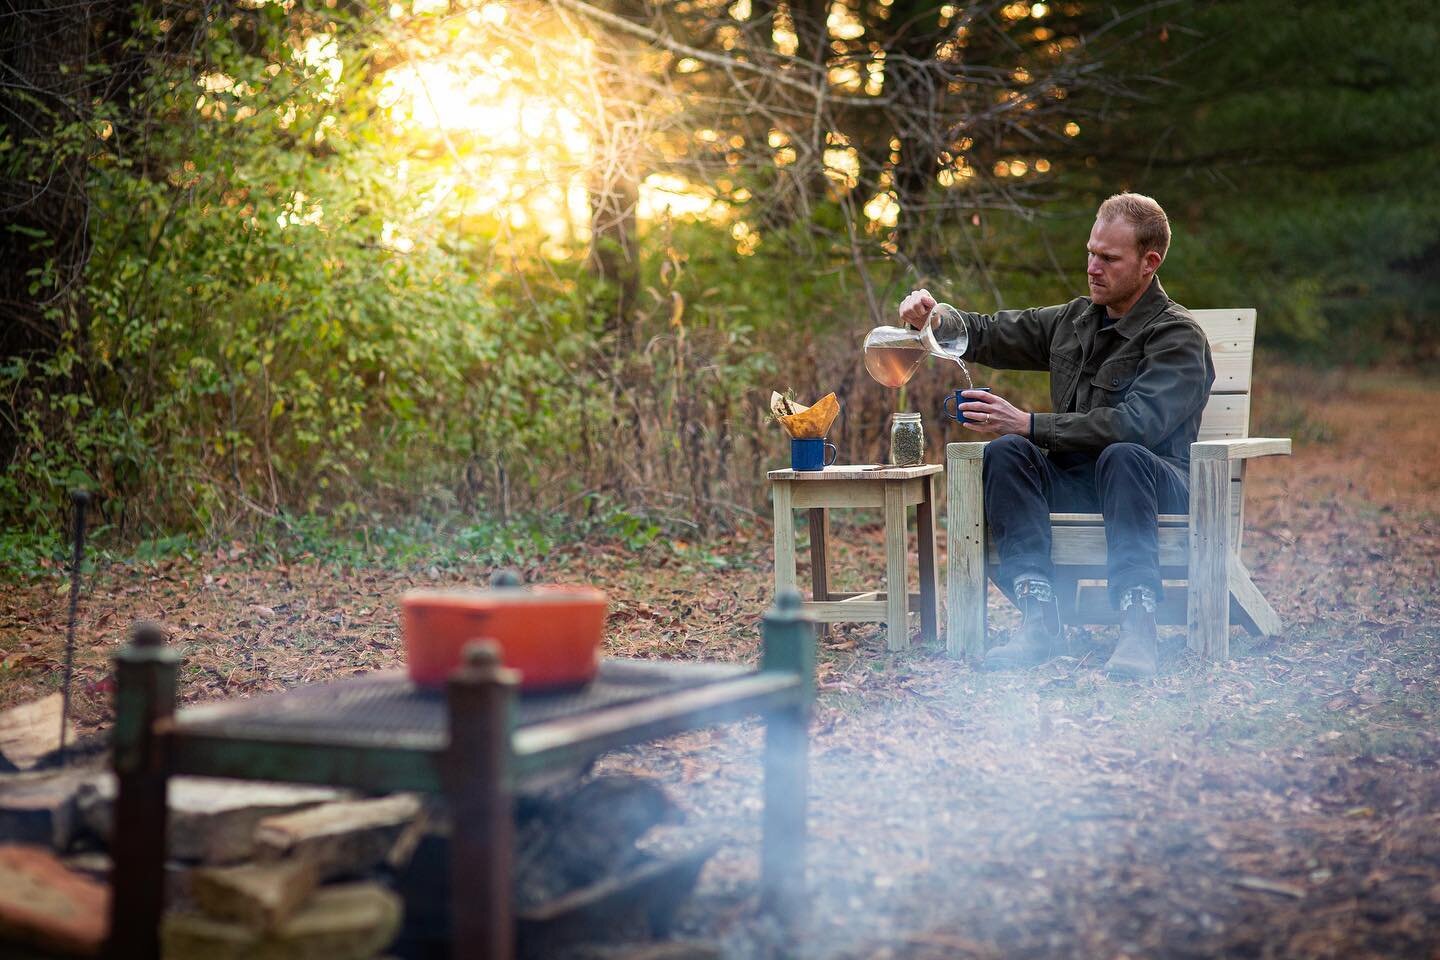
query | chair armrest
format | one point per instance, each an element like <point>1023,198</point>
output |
<point>1239,449</point>
<point>965,451</point>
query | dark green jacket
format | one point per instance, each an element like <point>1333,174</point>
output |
<point>1144,380</point>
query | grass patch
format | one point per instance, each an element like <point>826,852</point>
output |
<point>351,541</point>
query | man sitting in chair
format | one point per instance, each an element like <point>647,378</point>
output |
<point>1130,372</point>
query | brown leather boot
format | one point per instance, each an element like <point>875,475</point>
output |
<point>1136,656</point>
<point>1038,638</point>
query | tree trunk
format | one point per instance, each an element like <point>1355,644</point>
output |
<point>614,249</point>
<point>45,247</point>
<point>42,191</point>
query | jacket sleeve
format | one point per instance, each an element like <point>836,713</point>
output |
<point>1007,339</point>
<point>1167,386</point>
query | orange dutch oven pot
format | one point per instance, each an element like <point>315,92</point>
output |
<point>550,634</point>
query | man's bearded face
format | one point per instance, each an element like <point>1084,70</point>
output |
<point>1116,268</point>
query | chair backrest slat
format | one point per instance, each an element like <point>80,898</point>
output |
<point>1232,346</point>
<point>1226,417</point>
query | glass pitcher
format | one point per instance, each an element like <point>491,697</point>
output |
<point>893,354</point>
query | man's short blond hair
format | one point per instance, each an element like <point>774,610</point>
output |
<point>1152,227</point>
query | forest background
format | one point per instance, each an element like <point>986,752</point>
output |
<point>501,271</point>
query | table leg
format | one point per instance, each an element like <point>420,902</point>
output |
<point>929,582</point>
<point>897,586</point>
<point>819,554</point>
<point>145,694</point>
<point>481,700</point>
<point>784,537</point>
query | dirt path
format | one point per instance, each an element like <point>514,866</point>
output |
<point>1281,804</point>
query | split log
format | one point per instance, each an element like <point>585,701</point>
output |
<point>31,731</point>
<point>345,922</point>
<point>343,839</point>
<point>45,905</point>
<point>40,808</point>
<point>211,821</point>
<point>261,896</point>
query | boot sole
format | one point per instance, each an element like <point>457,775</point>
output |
<point>1124,673</point>
<point>994,666</point>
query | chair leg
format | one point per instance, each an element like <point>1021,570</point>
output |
<point>929,588</point>
<point>965,590</point>
<point>1208,616</point>
<point>1249,605</point>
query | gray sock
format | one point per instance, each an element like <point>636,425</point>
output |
<point>1034,586</point>
<point>1141,595</point>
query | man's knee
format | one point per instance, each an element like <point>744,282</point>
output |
<point>1123,458</point>
<point>1009,452</point>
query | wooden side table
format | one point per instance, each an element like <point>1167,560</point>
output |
<point>894,489</point>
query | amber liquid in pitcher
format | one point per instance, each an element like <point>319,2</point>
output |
<point>893,366</point>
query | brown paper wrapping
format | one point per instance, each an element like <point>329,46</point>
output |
<point>812,421</point>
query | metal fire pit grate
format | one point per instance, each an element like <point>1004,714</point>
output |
<point>389,704</point>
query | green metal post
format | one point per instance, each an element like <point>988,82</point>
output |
<point>789,647</point>
<point>145,680</point>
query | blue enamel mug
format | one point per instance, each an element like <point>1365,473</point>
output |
<point>808,453</point>
<point>957,398</point>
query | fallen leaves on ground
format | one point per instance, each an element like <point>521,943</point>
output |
<point>1283,803</point>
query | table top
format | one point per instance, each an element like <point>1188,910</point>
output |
<point>858,471</point>
<point>387,705</point>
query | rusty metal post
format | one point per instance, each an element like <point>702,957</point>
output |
<point>145,680</point>
<point>789,646</point>
<point>481,697</point>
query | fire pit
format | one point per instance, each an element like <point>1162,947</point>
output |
<point>475,745</point>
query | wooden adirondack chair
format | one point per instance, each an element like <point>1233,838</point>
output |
<point>1202,548</point>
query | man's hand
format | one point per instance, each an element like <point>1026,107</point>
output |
<point>996,415</point>
<point>915,308</point>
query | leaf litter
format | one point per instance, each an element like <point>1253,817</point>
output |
<point>1283,803</point>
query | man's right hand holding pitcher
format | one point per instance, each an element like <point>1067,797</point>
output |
<point>916,307</point>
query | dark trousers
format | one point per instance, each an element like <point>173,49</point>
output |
<point>1128,484</point>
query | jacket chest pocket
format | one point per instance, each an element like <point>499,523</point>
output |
<point>1115,376</point>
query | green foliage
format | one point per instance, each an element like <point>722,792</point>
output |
<point>282,316</point>
<point>272,321</point>
<point>1295,151</point>
<point>25,555</point>
<point>247,335</point>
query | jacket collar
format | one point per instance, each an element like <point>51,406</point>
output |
<point>1150,305</point>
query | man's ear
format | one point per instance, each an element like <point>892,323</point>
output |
<point>1150,262</point>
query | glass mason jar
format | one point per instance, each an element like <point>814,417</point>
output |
<point>907,440</point>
